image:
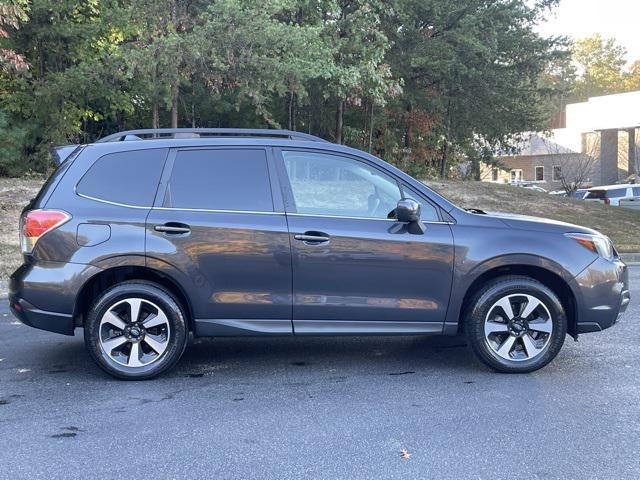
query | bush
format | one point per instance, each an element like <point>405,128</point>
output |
<point>12,140</point>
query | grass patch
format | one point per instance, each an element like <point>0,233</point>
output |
<point>620,224</point>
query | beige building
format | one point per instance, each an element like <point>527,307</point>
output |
<point>600,145</point>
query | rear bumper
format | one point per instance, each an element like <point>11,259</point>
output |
<point>603,295</point>
<point>43,294</point>
<point>44,320</point>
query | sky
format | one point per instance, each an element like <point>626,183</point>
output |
<point>619,19</point>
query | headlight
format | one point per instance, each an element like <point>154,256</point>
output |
<point>598,244</point>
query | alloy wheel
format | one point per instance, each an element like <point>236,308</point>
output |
<point>134,332</point>
<point>518,327</point>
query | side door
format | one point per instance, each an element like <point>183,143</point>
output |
<point>216,225</point>
<point>355,270</point>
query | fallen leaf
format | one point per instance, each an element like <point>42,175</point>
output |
<point>404,454</point>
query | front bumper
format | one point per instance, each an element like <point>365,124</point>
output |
<point>43,294</point>
<point>602,294</point>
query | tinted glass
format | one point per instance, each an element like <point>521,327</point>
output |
<point>51,182</point>
<point>326,184</point>
<point>636,191</point>
<point>220,179</point>
<point>126,177</point>
<point>617,192</point>
<point>596,194</point>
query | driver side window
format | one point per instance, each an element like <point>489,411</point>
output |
<point>325,184</point>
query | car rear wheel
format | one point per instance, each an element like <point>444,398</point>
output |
<point>135,330</point>
<point>516,324</point>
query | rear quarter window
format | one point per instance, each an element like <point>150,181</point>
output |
<point>617,192</point>
<point>597,194</point>
<point>129,178</point>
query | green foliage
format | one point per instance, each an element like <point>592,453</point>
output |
<point>12,139</point>
<point>601,62</point>
<point>417,82</point>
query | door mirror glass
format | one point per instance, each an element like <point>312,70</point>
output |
<point>408,210</point>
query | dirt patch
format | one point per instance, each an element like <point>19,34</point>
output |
<point>15,193</point>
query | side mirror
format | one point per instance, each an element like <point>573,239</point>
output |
<point>408,210</point>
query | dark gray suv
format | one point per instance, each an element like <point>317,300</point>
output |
<point>146,236</point>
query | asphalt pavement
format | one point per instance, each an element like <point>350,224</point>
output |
<point>294,408</point>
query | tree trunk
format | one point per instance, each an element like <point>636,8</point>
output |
<point>446,147</point>
<point>408,138</point>
<point>475,168</point>
<point>292,111</point>
<point>444,159</point>
<point>339,121</point>
<point>155,116</point>
<point>175,92</point>
<point>371,127</point>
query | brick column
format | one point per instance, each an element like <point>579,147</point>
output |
<point>608,156</point>
<point>634,150</point>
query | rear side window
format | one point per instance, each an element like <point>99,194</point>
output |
<point>130,178</point>
<point>220,179</point>
<point>636,191</point>
<point>617,192</point>
<point>598,194</point>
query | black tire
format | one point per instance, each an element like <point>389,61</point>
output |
<point>479,308</point>
<point>176,334</point>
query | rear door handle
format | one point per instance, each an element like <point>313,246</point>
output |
<point>172,228</point>
<point>313,237</point>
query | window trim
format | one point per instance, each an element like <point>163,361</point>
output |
<point>278,207</point>
<point>516,170</point>
<point>167,154</point>
<point>553,173</point>
<point>287,191</point>
<point>535,173</point>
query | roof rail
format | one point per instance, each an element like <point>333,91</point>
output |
<point>164,133</point>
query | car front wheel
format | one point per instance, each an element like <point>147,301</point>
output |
<point>135,330</point>
<point>516,324</point>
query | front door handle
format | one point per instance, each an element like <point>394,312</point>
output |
<point>312,237</point>
<point>172,228</point>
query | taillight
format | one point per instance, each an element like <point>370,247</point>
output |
<point>35,223</point>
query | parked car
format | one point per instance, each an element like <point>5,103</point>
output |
<point>146,237</point>
<point>632,203</point>
<point>578,194</point>
<point>529,185</point>
<point>612,194</point>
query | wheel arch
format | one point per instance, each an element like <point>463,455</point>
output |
<point>112,276</point>
<point>546,276</point>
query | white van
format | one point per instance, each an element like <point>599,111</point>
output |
<point>612,194</point>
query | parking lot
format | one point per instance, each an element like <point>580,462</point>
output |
<point>322,408</point>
